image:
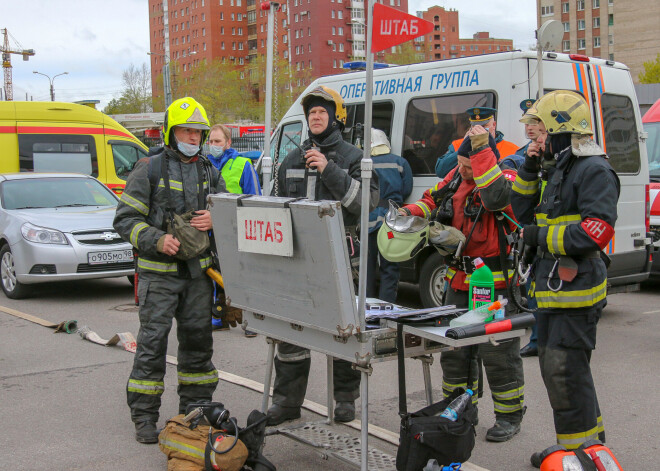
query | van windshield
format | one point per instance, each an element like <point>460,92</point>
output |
<point>653,148</point>
<point>125,157</point>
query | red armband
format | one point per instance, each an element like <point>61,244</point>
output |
<point>600,231</point>
<point>510,174</point>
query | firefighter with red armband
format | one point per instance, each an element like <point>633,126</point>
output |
<point>566,196</point>
<point>472,198</point>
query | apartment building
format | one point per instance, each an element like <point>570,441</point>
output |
<point>621,30</point>
<point>313,35</point>
<point>444,41</point>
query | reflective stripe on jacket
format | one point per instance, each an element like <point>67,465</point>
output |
<point>340,181</point>
<point>494,186</point>
<point>141,212</point>
<point>449,159</point>
<point>395,180</point>
<point>577,189</point>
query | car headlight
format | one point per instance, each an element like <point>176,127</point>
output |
<point>42,235</point>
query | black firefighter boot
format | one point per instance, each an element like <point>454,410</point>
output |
<point>288,390</point>
<point>146,432</point>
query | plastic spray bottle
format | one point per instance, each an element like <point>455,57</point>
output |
<point>482,285</point>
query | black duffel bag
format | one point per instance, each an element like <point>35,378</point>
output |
<point>424,435</point>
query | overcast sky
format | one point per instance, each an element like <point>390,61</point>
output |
<point>95,40</point>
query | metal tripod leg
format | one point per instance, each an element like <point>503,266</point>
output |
<point>331,388</point>
<point>269,374</point>
<point>364,439</point>
<point>427,361</point>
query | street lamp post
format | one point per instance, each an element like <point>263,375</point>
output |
<point>167,89</point>
<point>51,80</point>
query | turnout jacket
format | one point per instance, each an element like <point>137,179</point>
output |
<point>395,180</point>
<point>141,214</point>
<point>575,212</point>
<point>340,181</point>
<point>491,187</point>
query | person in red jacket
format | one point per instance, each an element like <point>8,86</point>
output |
<point>482,195</point>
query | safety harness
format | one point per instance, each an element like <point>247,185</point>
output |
<point>444,213</point>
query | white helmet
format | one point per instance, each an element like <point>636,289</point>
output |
<point>379,143</point>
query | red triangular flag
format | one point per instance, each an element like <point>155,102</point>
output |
<point>392,27</point>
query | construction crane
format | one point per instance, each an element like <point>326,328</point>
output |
<point>7,51</point>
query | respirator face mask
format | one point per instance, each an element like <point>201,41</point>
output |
<point>216,151</point>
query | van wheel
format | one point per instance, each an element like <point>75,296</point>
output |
<point>12,288</point>
<point>432,280</point>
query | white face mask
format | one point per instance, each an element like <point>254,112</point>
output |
<point>189,150</point>
<point>216,151</point>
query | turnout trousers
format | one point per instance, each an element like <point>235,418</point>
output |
<point>162,298</point>
<point>566,339</point>
<point>503,365</point>
<point>292,372</point>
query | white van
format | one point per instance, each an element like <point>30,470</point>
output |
<point>421,107</point>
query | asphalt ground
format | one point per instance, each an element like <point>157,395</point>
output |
<point>63,403</point>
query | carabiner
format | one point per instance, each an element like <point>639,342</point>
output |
<point>552,272</point>
<point>523,275</point>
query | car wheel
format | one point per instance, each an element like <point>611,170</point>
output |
<point>10,285</point>
<point>432,280</point>
<point>131,279</point>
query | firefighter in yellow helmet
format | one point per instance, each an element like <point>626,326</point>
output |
<point>327,169</point>
<point>566,196</point>
<point>174,181</point>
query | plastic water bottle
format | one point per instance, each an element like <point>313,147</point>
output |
<point>457,406</point>
<point>482,286</point>
<point>500,313</point>
<point>479,315</point>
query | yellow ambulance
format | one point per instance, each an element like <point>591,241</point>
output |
<point>44,136</point>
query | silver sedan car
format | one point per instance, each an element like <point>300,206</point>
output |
<point>56,227</point>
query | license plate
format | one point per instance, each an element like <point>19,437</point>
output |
<point>110,256</point>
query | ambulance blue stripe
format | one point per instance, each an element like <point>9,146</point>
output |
<point>578,73</point>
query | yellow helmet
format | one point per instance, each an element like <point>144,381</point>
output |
<point>328,94</point>
<point>185,112</point>
<point>561,111</point>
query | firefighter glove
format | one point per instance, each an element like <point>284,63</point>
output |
<point>465,147</point>
<point>530,235</point>
<point>531,164</point>
<point>479,140</point>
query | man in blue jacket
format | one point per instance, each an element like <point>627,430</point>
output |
<point>240,178</point>
<point>396,182</point>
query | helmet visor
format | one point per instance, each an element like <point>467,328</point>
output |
<point>405,224</point>
<point>203,127</point>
